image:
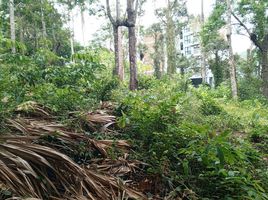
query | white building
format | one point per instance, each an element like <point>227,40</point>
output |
<point>190,47</point>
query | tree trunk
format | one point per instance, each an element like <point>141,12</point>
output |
<point>117,33</point>
<point>118,51</point>
<point>203,55</point>
<point>218,74</point>
<point>231,55</point>
<point>162,53</point>
<point>157,56</point>
<point>12,26</point>
<point>71,26</point>
<point>83,26</point>
<point>264,64</point>
<point>131,13</point>
<point>44,29</point>
<point>83,23</point>
<point>133,85</point>
<point>171,49</point>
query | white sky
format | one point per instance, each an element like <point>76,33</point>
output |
<point>93,24</point>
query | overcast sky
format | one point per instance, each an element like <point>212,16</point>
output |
<point>93,24</point>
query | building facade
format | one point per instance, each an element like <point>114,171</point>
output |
<point>190,48</point>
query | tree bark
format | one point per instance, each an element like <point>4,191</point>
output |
<point>71,26</point>
<point>171,49</point>
<point>12,26</point>
<point>231,55</point>
<point>217,70</point>
<point>203,55</point>
<point>157,56</point>
<point>120,59</point>
<point>264,74</point>
<point>44,29</point>
<point>133,85</point>
<point>131,13</point>
<point>83,23</point>
<point>118,48</point>
<point>118,51</point>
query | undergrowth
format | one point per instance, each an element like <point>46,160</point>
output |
<point>197,142</point>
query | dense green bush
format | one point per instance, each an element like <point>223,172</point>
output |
<point>187,138</point>
<point>250,88</point>
<point>63,88</point>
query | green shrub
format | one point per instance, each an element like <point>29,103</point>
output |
<point>182,136</point>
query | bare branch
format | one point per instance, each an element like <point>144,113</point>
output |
<point>241,24</point>
<point>253,37</point>
<point>109,13</point>
<point>136,10</point>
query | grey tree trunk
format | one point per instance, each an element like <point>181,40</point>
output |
<point>157,57</point>
<point>118,48</point>
<point>231,55</point>
<point>264,73</point>
<point>71,26</point>
<point>12,26</point>
<point>83,23</point>
<point>203,55</point>
<point>171,49</point>
<point>264,64</point>
<point>118,51</point>
<point>159,53</point>
<point>133,85</point>
<point>163,54</point>
<point>131,13</point>
<point>44,29</point>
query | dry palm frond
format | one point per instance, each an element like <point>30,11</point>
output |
<point>104,145</point>
<point>41,172</point>
<point>118,167</point>
<point>34,109</point>
<point>108,106</point>
<point>41,128</point>
<point>31,164</point>
<point>35,126</point>
<point>98,120</point>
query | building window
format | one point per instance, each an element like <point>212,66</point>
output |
<point>187,51</point>
<point>187,29</point>
<point>187,39</point>
<point>196,49</point>
<point>195,38</point>
<point>210,81</point>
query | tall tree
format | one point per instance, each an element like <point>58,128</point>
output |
<point>171,40</point>
<point>117,33</point>
<point>213,42</point>
<point>231,54</point>
<point>218,49</point>
<point>255,13</point>
<point>203,55</point>
<point>12,25</point>
<point>156,32</point>
<point>44,29</point>
<point>130,23</point>
<point>132,40</point>
<point>172,18</point>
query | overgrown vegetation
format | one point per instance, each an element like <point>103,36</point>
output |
<point>69,129</point>
<point>196,142</point>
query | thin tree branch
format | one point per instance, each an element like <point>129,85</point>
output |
<point>136,10</point>
<point>252,36</point>
<point>109,13</point>
<point>242,24</point>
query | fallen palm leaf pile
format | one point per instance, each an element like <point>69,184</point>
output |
<point>37,160</point>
